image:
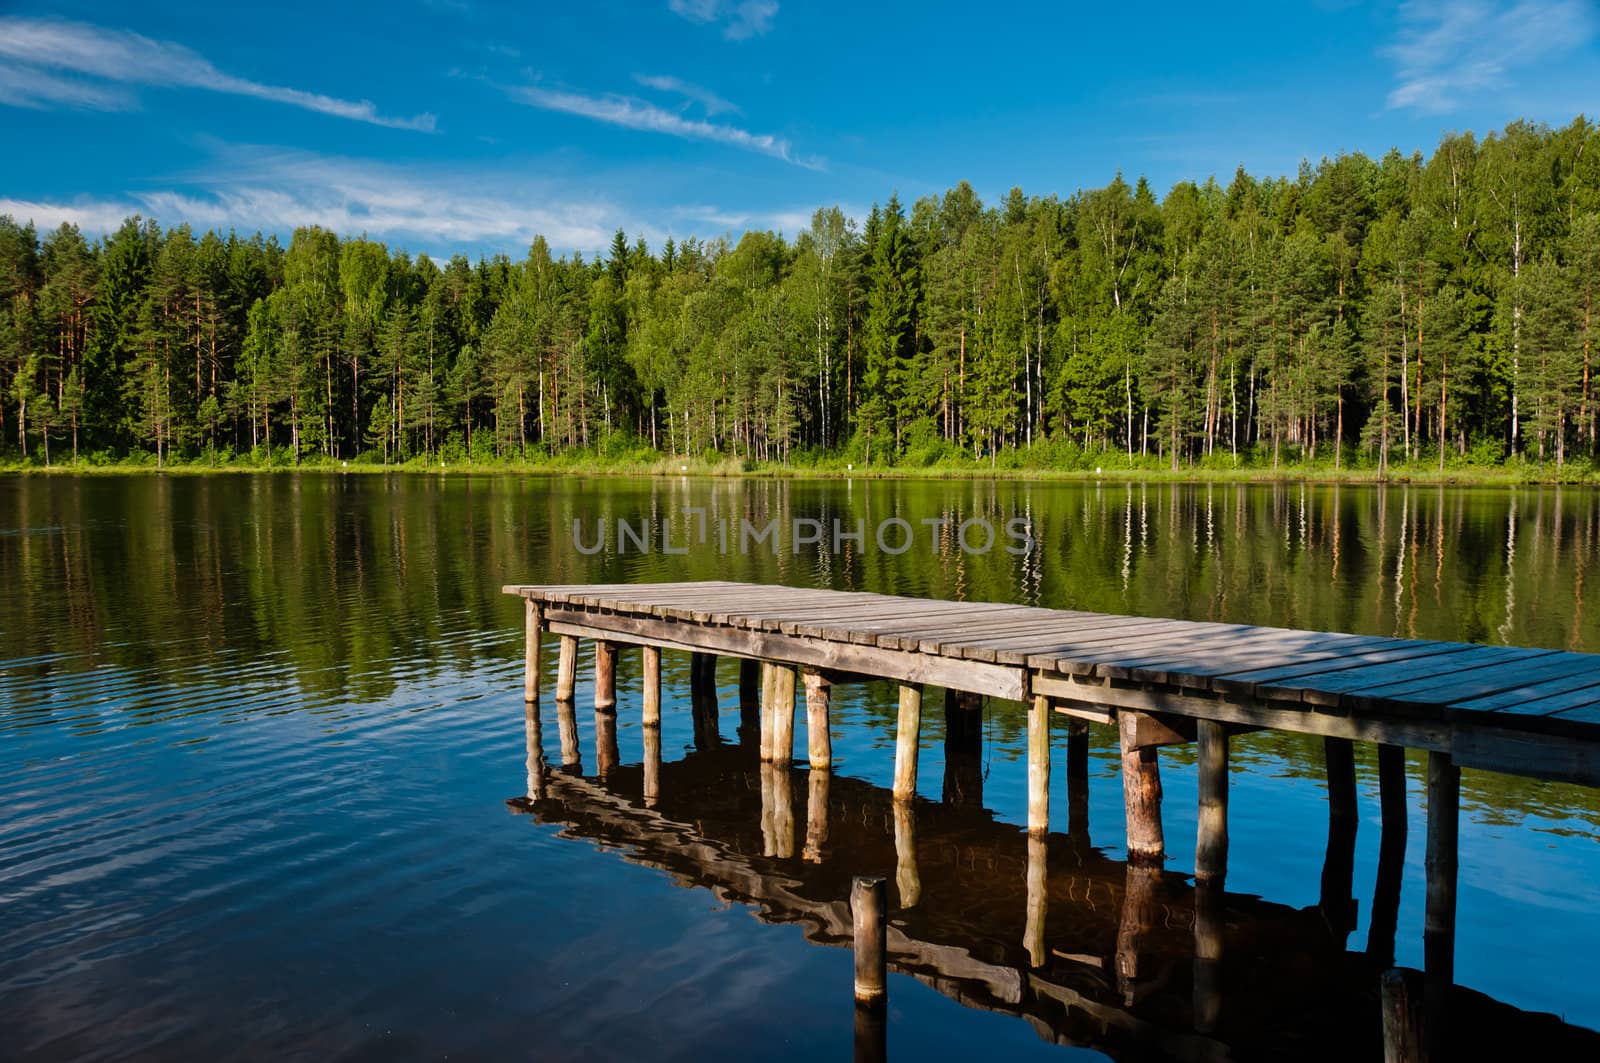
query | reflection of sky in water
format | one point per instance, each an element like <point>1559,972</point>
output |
<point>255,742</point>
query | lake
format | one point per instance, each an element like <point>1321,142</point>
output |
<point>262,747</point>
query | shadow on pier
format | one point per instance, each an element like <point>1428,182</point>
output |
<point>1134,961</point>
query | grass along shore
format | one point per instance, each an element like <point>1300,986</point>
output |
<point>1010,465</point>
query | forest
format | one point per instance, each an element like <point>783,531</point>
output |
<point>1403,311</point>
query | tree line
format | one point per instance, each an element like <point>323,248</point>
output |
<point>1402,309</point>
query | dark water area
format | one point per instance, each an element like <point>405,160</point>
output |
<point>264,774</point>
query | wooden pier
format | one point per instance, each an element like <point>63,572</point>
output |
<point>1529,712</point>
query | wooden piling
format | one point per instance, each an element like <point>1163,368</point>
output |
<point>1078,780</point>
<point>1211,846</point>
<point>819,738</point>
<point>1038,900</point>
<point>1402,1017</point>
<point>868,907</point>
<point>605,675</point>
<point>530,667</point>
<point>1039,766</point>
<point>782,715</point>
<point>567,668</point>
<point>650,714</point>
<point>702,674</point>
<point>1141,794</point>
<point>768,711</point>
<point>963,749</point>
<point>907,735</point>
<point>749,699</point>
<point>1439,914</point>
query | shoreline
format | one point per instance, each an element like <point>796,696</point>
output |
<point>1461,476</point>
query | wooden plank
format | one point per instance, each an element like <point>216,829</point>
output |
<point>1248,712</point>
<point>1249,680</point>
<point>1340,688</point>
<point>993,680</point>
<point>1532,699</point>
<point>956,644</point>
<point>1480,681</point>
<point>1200,661</point>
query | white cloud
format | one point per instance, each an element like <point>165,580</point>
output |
<point>1450,49</point>
<point>713,104</point>
<point>740,19</point>
<point>94,217</point>
<point>631,113</point>
<point>23,86</point>
<point>36,47</point>
<point>278,192</point>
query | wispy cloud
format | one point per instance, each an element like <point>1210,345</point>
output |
<point>713,103</point>
<point>36,49</point>
<point>631,113</point>
<point>1450,49</point>
<point>279,191</point>
<point>739,19</point>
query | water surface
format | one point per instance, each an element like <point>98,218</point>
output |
<point>257,736</point>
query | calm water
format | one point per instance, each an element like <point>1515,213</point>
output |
<point>258,737</point>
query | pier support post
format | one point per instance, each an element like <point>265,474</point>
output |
<point>650,661</point>
<point>1078,780</point>
<point>768,671</point>
<point>1141,794</point>
<point>530,667</point>
<point>567,722</point>
<point>907,733</point>
<point>1391,854</point>
<point>1402,1017</point>
<point>819,739</point>
<point>702,676</point>
<point>907,879</point>
<point>535,739</point>
<point>1211,846</point>
<point>1038,899</point>
<point>1338,867</point>
<point>567,668</point>
<point>605,675</point>
<point>817,815</point>
<point>749,699</point>
<point>780,715</point>
<point>1039,766</point>
<point>963,749</point>
<point>868,906</point>
<point>1439,914</point>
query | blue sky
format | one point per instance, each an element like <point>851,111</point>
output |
<point>444,125</point>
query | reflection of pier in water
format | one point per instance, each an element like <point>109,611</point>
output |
<point>1090,951</point>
